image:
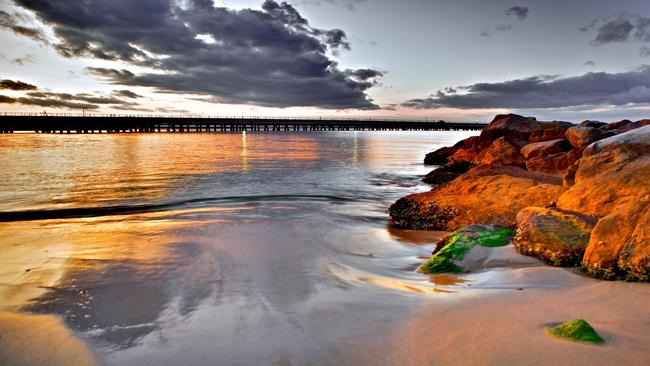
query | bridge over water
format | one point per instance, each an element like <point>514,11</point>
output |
<point>70,123</point>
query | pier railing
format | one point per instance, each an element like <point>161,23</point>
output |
<point>141,123</point>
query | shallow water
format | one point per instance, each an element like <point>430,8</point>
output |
<point>258,248</point>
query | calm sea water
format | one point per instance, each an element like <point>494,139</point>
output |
<point>258,248</point>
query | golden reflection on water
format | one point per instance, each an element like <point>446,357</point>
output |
<point>38,255</point>
<point>85,170</point>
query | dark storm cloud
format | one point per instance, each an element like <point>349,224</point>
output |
<point>7,21</point>
<point>271,57</point>
<point>520,12</point>
<point>593,88</point>
<point>16,85</point>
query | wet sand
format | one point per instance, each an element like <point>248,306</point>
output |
<point>40,340</point>
<point>507,327</point>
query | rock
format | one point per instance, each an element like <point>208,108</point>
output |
<point>442,155</point>
<point>621,126</point>
<point>545,148</point>
<point>554,163</point>
<point>514,128</point>
<point>634,259</point>
<point>612,182</point>
<point>470,148</point>
<point>641,123</point>
<point>576,330</point>
<point>490,195</point>
<point>552,235</point>
<point>500,152</point>
<point>570,174</point>
<point>448,172</point>
<point>580,137</point>
<point>593,124</point>
<point>452,250</point>
<point>549,131</point>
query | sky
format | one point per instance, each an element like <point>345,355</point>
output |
<point>456,60</point>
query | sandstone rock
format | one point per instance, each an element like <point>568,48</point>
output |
<point>514,128</point>
<point>634,259</point>
<point>549,131</point>
<point>545,148</point>
<point>621,126</point>
<point>580,137</point>
<point>454,252</point>
<point>448,172</point>
<point>500,152</point>
<point>554,163</point>
<point>613,182</point>
<point>491,195</point>
<point>594,124</point>
<point>552,235</point>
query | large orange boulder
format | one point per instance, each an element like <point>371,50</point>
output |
<point>555,236</point>
<point>612,182</point>
<point>538,149</point>
<point>489,195</point>
<point>581,137</point>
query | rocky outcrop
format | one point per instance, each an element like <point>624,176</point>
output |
<point>612,182</point>
<point>552,235</point>
<point>549,179</point>
<point>490,195</point>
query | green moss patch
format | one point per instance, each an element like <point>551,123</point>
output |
<point>456,245</point>
<point>576,330</point>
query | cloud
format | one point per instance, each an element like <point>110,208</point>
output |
<point>9,22</point>
<point>270,57</point>
<point>27,59</point>
<point>620,28</point>
<point>55,103</point>
<point>16,85</point>
<point>521,12</point>
<point>365,74</point>
<point>127,94</point>
<point>348,4</point>
<point>590,63</point>
<point>7,100</point>
<point>590,89</point>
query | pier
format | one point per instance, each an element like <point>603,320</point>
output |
<point>67,123</point>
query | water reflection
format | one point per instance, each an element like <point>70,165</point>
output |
<point>289,271</point>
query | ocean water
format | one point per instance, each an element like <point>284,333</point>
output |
<point>218,249</point>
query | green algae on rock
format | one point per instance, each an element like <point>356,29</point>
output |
<point>453,248</point>
<point>576,330</point>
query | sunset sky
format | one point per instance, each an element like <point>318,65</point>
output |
<point>460,60</point>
